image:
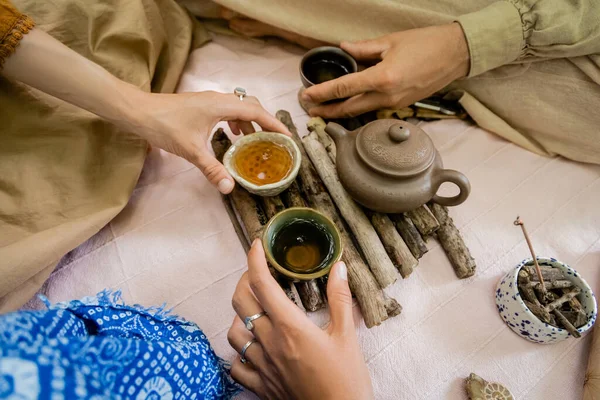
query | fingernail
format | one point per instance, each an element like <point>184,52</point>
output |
<point>225,186</point>
<point>305,97</point>
<point>342,271</point>
<point>256,242</point>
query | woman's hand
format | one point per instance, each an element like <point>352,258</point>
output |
<point>293,358</point>
<point>182,123</point>
<point>411,65</point>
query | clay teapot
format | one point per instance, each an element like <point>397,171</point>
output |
<point>392,166</point>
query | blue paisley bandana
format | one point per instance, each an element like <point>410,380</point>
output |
<point>100,348</point>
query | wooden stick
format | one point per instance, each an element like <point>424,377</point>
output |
<point>424,220</point>
<point>272,205</point>
<point>392,307</point>
<point>239,231</point>
<point>318,125</point>
<point>370,244</point>
<point>566,324</point>
<point>250,213</point>
<point>452,242</point>
<point>309,291</point>
<point>395,247</point>
<point>292,197</point>
<point>552,285</point>
<point>548,273</point>
<point>362,283</point>
<point>529,297</point>
<point>563,299</point>
<point>519,222</point>
<point>411,236</point>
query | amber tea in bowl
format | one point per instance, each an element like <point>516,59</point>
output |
<point>301,243</point>
<point>264,163</point>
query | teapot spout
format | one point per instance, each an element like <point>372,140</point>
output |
<point>336,131</point>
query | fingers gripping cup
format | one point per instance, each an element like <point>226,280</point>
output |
<point>302,244</point>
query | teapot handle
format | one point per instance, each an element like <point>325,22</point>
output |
<point>450,175</point>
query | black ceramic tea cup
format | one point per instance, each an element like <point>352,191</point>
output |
<point>324,64</point>
<point>302,244</point>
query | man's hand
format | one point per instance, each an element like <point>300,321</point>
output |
<point>411,65</point>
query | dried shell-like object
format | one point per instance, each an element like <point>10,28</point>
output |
<point>480,389</point>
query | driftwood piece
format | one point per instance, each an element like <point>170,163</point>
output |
<point>548,273</point>
<point>309,291</point>
<point>563,299</point>
<point>577,318</point>
<point>566,324</point>
<point>370,244</point>
<point>272,205</point>
<point>452,242</point>
<point>363,285</point>
<point>552,285</point>
<point>411,236</point>
<point>395,246</point>
<point>424,220</point>
<point>292,197</point>
<point>310,295</point>
<point>250,213</point>
<point>529,297</point>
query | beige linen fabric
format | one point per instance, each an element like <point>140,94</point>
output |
<point>64,173</point>
<point>535,64</point>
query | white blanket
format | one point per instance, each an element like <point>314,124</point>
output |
<point>174,243</point>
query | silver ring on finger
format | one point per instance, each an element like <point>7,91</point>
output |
<point>248,320</point>
<point>240,92</point>
<point>243,358</point>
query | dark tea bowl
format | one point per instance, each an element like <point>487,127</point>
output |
<point>325,63</point>
<point>322,233</point>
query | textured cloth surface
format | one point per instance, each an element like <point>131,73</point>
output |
<point>174,242</point>
<point>65,173</point>
<point>101,348</point>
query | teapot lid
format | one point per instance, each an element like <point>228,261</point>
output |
<point>395,147</point>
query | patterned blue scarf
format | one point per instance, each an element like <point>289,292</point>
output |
<point>100,348</point>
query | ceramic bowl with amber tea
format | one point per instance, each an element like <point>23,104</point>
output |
<point>302,244</point>
<point>264,163</point>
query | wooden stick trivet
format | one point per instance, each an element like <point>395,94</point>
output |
<point>424,220</point>
<point>363,285</point>
<point>250,213</point>
<point>410,234</point>
<point>395,247</point>
<point>452,242</point>
<point>519,222</point>
<point>309,291</point>
<point>370,244</point>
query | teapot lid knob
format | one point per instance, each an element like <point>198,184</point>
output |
<point>399,133</point>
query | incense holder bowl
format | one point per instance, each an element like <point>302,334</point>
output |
<point>523,322</point>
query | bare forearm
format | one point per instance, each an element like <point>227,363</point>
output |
<point>46,64</point>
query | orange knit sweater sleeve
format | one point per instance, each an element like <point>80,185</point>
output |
<point>13,25</point>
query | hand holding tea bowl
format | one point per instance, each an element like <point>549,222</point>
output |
<point>521,319</point>
<point>264,163</point>
<point>284,355</point>
<point>302,244</point>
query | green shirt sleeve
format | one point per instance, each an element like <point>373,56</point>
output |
<point>531,30</point>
